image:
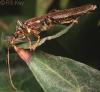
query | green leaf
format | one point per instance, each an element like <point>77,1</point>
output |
<point>22,78</point>
<point>59,74</point>
<point>5,85</point>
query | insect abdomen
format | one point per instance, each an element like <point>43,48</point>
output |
<point>73,12</point>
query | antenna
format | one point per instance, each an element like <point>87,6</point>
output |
<point>9,70</point>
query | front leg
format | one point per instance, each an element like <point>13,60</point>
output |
<point>35,45</point>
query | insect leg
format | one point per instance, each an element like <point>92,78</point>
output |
<point>35,45</point>
<point>9,71</point>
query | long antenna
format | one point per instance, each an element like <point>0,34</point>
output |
<point>9,71</point>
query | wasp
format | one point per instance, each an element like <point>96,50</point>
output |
<point>36,25</point>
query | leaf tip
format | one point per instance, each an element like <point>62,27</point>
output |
<point>24,55</point>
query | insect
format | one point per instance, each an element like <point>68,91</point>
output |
<point>36,25</point>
